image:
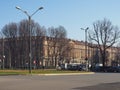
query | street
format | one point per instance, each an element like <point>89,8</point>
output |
<point>97,81</point>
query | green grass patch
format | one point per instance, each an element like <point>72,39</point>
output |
<point>53,71</point>
<point>13,72</point>
<point>39,71</point>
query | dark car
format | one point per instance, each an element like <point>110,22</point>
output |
<point>82,67</point>
<point>79,67</point>
<point>97,69</point>
<point>72,67</point>
<point>116,68</point>
<point>106,69</point>
<point>109,69</point>
<point>112,69</point>
<point>61,67</point>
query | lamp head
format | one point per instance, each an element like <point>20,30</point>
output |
<point>40,8</point>
<point>87,28</point>
<point>17,7</point>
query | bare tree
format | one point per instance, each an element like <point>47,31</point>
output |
<point>10,32</point>
<point>17,44</point>
<point>57,44</point>
<point>63,46</point>
<point>38,53</point>
<point>52,45</point>
<point>105,35</point>
<point>24,43</point>
<point>37,35</point>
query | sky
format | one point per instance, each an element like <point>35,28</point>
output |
<point>72,14</point>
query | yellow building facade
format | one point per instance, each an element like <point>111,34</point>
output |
<point>77,53</point>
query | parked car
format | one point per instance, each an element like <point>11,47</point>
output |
<point>97,69</point>
<point>106,69</point>
<point>82,67</point>
<point>116,68</point>
<point>79,67</point>
<point>61,67</point>
<point>72,67</point>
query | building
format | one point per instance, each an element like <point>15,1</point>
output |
<point>49,52</point>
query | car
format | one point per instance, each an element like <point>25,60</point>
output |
<point>116,68</point>
<point>72,67</point>
<point>106,69</point>
<point>112,69</point>
<point>97,69</point>
<point>61,67</point>
<point>82,67</point>
<point>79,67</point>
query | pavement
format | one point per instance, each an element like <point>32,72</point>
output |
<point>84,81</point>
<point>104,86</point>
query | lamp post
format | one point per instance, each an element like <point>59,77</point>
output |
<point>86,57</point>
<point>29,27</point>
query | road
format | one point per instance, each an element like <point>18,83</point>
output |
<point>98,81</point>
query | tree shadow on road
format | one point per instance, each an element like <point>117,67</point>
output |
<point>104,86</point>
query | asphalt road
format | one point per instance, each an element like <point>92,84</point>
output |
<point>98,81</point>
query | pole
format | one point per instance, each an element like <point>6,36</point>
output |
<point>29,21</point>
<point>30,55</point>
<point>86,57</point>
<point>86,44</point>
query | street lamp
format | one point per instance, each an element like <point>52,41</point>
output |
<point>29,20</point>
<point>86,58</point>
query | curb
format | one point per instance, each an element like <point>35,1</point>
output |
<point>66,74</point>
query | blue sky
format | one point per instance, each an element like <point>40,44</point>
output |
<point>72,14</point>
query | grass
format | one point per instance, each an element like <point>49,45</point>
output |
<point>13,72</point>
<point>39,71</point>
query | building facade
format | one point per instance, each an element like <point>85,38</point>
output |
<point>50,52</point>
